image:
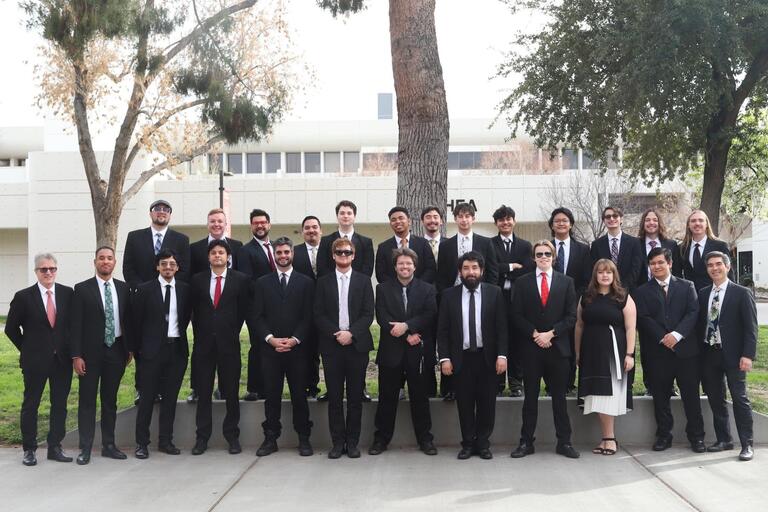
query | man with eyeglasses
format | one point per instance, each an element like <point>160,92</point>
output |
<point>624,250</point>
<point>38,325</point>
<point>544,313</point>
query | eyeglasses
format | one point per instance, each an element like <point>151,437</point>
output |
<point>546,254</point>
<point>343,253</point>
<point>164,209</point>
<point>608,216</point>
<point>169,264</point>
<point>45,270</point>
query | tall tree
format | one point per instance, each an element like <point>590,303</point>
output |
<point>177,78</point>
<point>672,80</point>
<point>422,109</point>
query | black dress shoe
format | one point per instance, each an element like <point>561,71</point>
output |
<point>305,448</point>
<point>353,452</point>
<point>112,452</point>
<point>485,453</point>
<point>200,446</point>
<point>251,396</point>
<point>84,458</point>
<point>142,452</point>
<point>515,393</point>
<point>323,397</point>
<point>746,453</point>
<point>137,399</point>
<point>567,450</point>
<point>401,396</point>
<point>234,447</point>
<point>449,397</point>
<point>377,448</point>
<point>366,396</point>
<point>698,446</point>
<point>56,453</point>
<point>169,448</point>
<point>428,448</point>
<point>662,443</point>
<point>312,393</point>
<point>268,447</point>
<point>720,446</point>
<point>522,450</point>
<point>336,452</point>
<point>29,458</point>
<point>464,454</point>
<point>192,398</point>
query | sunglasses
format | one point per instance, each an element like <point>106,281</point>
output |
<point>165,209</point>
<point>608,216</point>
<point>45,270</point>
<point>343,252</point>
<point>544,254</point>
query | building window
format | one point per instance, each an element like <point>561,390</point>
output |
<point>253,163</point>
<point>273,162</point>
<point>385,105</point>
<point>22,162</point>
<point>311,162</point>
<point>570,159</point>
<point>351,161</point>
<point>235,163</point>
<point>375,162</point>
<point>292,163</point>
<point>332,161</point>
<point>467,160</point>
<point>453,160</point>
<point>215,162</point>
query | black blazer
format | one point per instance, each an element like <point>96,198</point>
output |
<point>87,338</point>
<point>448,259</point>
<point>220,327</point>
<point>630,257</point>
<point>283,314</point>
<point>362,263</point>
<point>658,315</point>
<point>149,317</point>
<point>493,322</point>
<point>520,252</point>
<point>426,268</point>
<point>559,314</point>
<point>666,243</point>
<point>580,265</point>
<point>27,327</point>
<point>360,307</point>
<point>301,262</point>
<point>738,322</point>
<point>139,257</point>
<point>199,254</point>
<point>699,274</point>
<point>252,261</point>
<point>420,317</point>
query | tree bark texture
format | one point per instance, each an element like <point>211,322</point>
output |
<point>422,109</point>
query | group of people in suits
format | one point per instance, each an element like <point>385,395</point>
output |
<point>487,312</point>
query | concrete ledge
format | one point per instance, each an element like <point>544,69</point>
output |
<point>638,427</point>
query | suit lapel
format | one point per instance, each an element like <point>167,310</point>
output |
<point>94,286</point>
<point>37,300</point>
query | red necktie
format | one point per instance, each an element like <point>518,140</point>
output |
<point>51,309</point>
<point>544,289</point>
<point>271,259</point>
<point>217,292</point>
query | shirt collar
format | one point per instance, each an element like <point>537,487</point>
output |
<point>286,272</point>
<point>539,272</point>
<point>44,290</point>
<point>211,238</point>
<point>566,242</point>
<point>722,286</point>
<point>101,281</point>
<point>223,275</point>
<point>399,240</point>
<point>339,274</point>
<point>465,290</point>
<point>701,242</point>
<point>310,246</point>
<point>163,282</point>
<point>665,282</point>
<point>348,235</point>
<point>510,238</point>
<point>162,231</point>
<point>468,235</point>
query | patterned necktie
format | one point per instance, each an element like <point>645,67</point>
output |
<point>615,251</point>
<point>158,242</point>
<point>433,245</point>
<point>405,298</point>
<point>217,293</point>
<point>472,323</point>
<point>109,316</point>
<point>544,289</point>
<point>653,244</point>
<point>313,260</point>
<point>560,263</point>
<point>271,258</point>
<point>404,243</point>
<point>464,246</point>
<point>713,331</point>
<point>50,309</point>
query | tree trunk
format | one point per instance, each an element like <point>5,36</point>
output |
<point>422,109</point>
<point>715,164</point>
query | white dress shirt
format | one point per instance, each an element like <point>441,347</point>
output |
<point>173,310</point>
<point>115,305</point>
<point>155,232</point>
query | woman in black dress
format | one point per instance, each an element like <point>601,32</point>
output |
<point>605,350</point>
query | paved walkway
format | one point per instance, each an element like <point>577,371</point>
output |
<point>398,480</point>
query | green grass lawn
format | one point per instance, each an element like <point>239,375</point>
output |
<point>11,386</point>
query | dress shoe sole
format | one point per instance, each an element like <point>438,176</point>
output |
<point>60,459</point>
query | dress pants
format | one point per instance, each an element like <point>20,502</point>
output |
<point>345,365</point>
<point>666,368</point>
<point>59,377</point>
<point>312,379</point>
<point>102,377</point>
<point>549,364</point>
<point>389,389</point>
<point>162,374</point>
<point>255,378</point>
<point>228,367</point>
<point>714,375</point>
<point>514,374</point>
<point>428,373</point>
<point>277,367</point>
<point>476,400</point>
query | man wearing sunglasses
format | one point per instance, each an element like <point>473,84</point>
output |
<point>624,250</point>
<point>38,324</point>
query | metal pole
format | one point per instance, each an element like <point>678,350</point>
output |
<point>221,186</point>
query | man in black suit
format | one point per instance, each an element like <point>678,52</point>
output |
<point>363,262</point>
<point>544,313</point>
<point>406,308</point>
<point>432,222</point>
<point>472,345</point>
<point>100,350</point>
<point>667,311</point>
<point>38,324</point>
<point>651,234</point>
<point>343,316</point>
<point>305,262</point>
<point>514,256</point>
<point>283,317</point>
<point>256,259</point>
<point>161,314</point>
<point>623,249</point>
<point>221,302</point>
<point>400,222</point>
<point>728,327</point>
<point>699,241</point>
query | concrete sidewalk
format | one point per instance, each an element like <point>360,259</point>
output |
<point>400,480</point>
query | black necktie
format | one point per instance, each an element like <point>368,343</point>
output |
<point>472,323</point>
<point>167,308</point>
<point>508,246</point>
<point>696,256</point>
<point>283,281</point>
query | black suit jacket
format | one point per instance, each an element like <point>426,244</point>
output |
<point>253,261</point>
<point>580,265</point>
<point>139,258</point>
<point>737,321</point>
<point>559,314</point>
<point>630,257</point>
<point>658,315</point>
<point>699,274</point>
<point>420,317</point>
<point>360,307</point>
<point>283,314</point>
<point>493,322</point>
<point>220,327</point>
<point>520,252</point>
<point>426,269</point>
<point>448,259</point>
<point>199,254</point>
<point>28,328</point>
<point>148,313</point>
<point>301,262</point>
<point>362,263</point>
<point>87,337</point>
<point>666,243</point>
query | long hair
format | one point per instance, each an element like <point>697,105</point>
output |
<point>616,292</point>
<point>662,227</point>
<point>686,245</point>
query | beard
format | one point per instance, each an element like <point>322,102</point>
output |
<point>470,282</point>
